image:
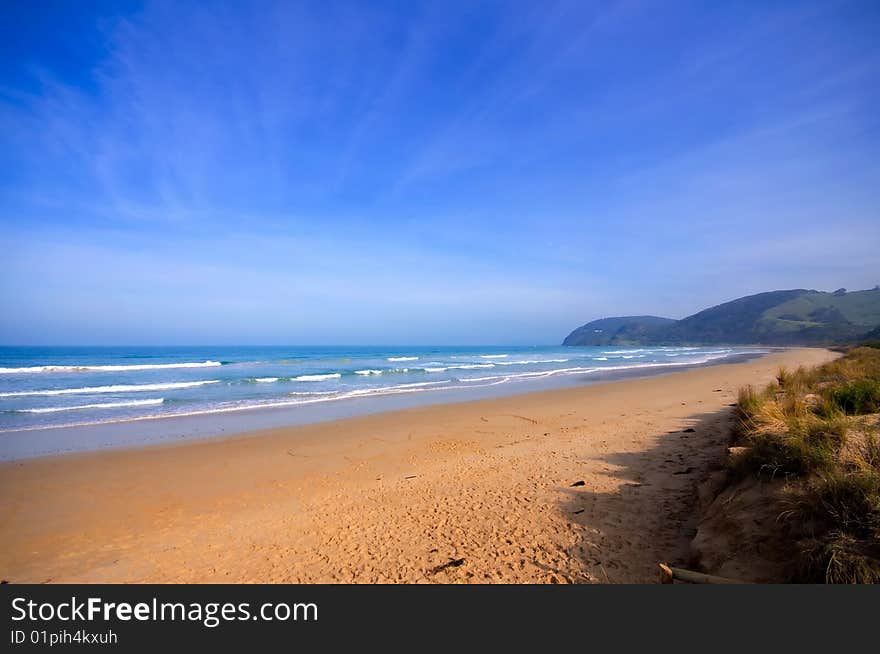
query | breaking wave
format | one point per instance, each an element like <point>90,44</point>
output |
<point>309,378</point>
<point>153,366</point>
<point>107,405</point>
<point>118,388</point>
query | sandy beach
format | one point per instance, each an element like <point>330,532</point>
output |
<point>589,484</point>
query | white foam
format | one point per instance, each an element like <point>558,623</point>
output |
<point>298,393</point>
<point>156,366</point>
<point>527,362</point>
<point>557,371</point>
<point>308,378</point>
<point>600,358</point>
<point>411,385</point>
<point>490,378</point>
<point>108,405</point>
<point>435,369</point>
<point>633,366</point>
<point>493,356</point>
<point>118,388</point>
<point>266,380</point>
<point>402,359</point>
<point>368,372</point>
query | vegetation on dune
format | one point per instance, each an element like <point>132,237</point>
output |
<point>819,430</point>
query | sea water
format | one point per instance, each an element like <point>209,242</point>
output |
<point>58,387</point>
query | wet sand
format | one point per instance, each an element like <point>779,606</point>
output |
<point>484,491</point>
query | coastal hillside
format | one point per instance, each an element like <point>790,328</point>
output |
<point>614,331</point>
<point>792,317</point>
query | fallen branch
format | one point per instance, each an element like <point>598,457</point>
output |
<point>669,574</point>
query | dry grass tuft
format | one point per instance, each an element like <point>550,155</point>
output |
<point>814,429</point>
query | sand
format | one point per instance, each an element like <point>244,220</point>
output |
<point>590,484</point>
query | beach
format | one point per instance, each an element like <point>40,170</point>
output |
<point>585,484</point>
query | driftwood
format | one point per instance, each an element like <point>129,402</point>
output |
<point>669,574</point>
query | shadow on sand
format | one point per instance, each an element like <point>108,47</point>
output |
<point>652,516</point>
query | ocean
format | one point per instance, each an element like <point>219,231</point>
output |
<point>44,388</point>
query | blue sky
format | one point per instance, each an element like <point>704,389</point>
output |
<point>404,172</point>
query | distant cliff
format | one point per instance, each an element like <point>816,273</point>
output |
<point>794,317</point>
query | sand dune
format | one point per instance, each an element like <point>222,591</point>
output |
<point>593,484</point>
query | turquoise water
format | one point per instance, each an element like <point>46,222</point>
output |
<point>58,387</point>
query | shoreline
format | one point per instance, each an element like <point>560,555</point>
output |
<point>393,496</point>
<point>149,431</point>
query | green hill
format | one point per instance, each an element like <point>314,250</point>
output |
<point>793,317</point>
<point>617,331</point>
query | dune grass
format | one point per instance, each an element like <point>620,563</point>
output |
<point>818,430</point>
